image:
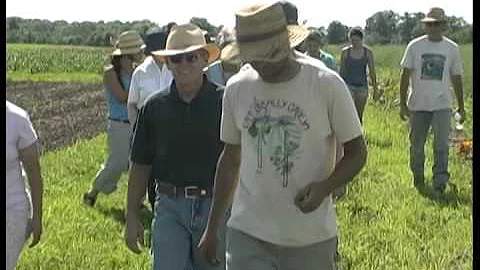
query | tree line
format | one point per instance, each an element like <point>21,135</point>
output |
<point>383,27</point>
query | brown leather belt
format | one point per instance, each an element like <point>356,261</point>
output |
<point>190,192</point>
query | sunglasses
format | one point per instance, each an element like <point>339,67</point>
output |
<point>189,57</point>
<point>433,24</point>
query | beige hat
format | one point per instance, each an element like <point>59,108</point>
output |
<point>262,32</point>
<point>230,58</point>
<point>128,42</point>
<point>435,14</point>
<point>187,38</point>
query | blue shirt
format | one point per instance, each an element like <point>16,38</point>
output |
<point>117,109</point>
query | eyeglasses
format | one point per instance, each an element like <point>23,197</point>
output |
<point>189,57</point>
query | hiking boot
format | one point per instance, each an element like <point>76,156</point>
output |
<point>438,192</point>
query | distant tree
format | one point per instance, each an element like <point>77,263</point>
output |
<point>381,27</point>
<point>205,25</point>
<point>336,33</point>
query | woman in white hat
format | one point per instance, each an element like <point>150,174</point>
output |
<point>128,52</point>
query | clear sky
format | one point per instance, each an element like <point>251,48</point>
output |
<point>220,12</point>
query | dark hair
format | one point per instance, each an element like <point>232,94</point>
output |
<point>356,32</point>
<point>155,40</point>
<point>117,67</point>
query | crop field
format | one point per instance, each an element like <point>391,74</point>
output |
<point>384,223</point>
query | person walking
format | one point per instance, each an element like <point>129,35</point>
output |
<point>429,64</point>
<point>177,143</point>
<point>128,52</point>
<point>282,115</point>
<point>355,59</point>
<point>23,205</point>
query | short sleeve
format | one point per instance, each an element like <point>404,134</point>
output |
<point>457,67</point>
<point>343,116</point>
<point>229,132</point>
<point>133,90</point>
<point>408,58</point>
<point>143,145</point>
<point>26,133</point>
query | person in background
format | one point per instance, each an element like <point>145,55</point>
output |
<point>312,46</point>
<point>354,61</point>
<point>177,143</point>
<point>149,77</point>
<point>282,116</point>
<point>221,70</point>
<point>128,52</point>
<point>430,63</point>
<point>24,207</point>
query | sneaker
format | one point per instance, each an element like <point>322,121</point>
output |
<point>89,199</point>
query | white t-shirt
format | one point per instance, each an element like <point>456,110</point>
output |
<point>148,78</point>
<point>19,134</point>
<point>432,64</point>
<point>288,133</point>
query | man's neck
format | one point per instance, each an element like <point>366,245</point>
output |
<point>435,38</point>
<point>288,71</point>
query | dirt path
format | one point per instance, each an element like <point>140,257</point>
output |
<point>61,112</point>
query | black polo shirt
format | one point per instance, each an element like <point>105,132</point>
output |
<point>180,140</point>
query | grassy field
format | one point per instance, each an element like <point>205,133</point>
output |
<point>384,223</point>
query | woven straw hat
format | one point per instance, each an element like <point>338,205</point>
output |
<point>262,33</point>
<point>435,14</point>
<point>187,38</point>
<point>128,42</point>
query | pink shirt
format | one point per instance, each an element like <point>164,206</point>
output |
<point>19,134</point>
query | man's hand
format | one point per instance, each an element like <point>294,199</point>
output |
<point>207,248</point>
<point>404,113</point>
<point>134,235</point>
<point>36,224</point>
<point>310,197</point>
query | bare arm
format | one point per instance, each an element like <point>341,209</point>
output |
<point>132,113</point>
<point>226,179</point>
<point>342,64</point>
<point>355,155</point>
<point>371,72</point>
<point>137,184</point>
<point>458,87</point>
<point>30,158</point>
<point>404,82</point>
<point>110,81</point>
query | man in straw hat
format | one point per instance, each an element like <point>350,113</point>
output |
<point>177,142</point>
<point>430,63</point>
<point>282,115</point>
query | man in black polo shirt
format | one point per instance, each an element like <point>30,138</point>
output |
<point>177,140</point>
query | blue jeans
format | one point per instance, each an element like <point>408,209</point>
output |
<point>420,122</point>
<point>177,227</point>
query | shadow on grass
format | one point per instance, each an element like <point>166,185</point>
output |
<point>377,141</point>
<point>118,214</point>
<point>451,197</point>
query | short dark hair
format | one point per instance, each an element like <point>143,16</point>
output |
<point>291,12</point>
<point>356,32</point>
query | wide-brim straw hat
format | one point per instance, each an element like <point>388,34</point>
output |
<point>129,42</point>
<point>187,38</point>
<point>435,15</point>
<point>230,58</point>
<point>263,34</point>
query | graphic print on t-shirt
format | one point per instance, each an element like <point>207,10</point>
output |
<point>275,126</point>
<point>432,66</point>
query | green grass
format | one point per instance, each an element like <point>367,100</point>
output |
<point>22,76</point>
<point>384,223</point>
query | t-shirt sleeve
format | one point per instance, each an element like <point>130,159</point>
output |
<point>26,133</point>
<point>457,67</point>
<point>229,133</point>
<point>142,146</point>
<point>408,58</point>
<point>344,120</point>
<point>133,89</point>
